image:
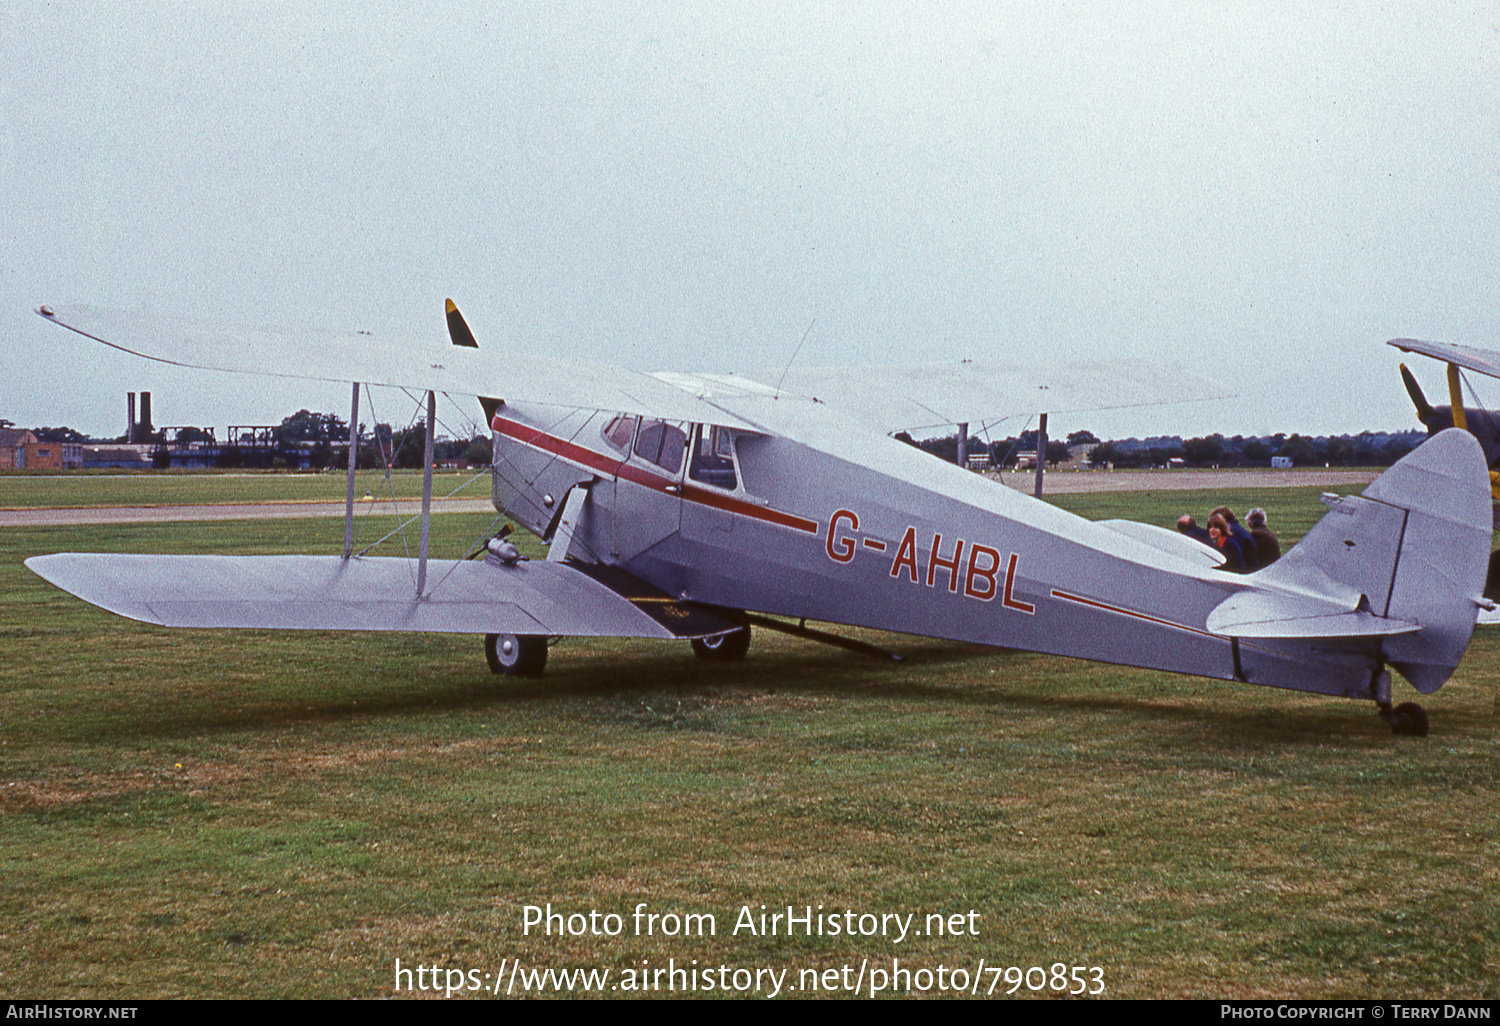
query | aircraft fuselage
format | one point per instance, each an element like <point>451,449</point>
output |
<point>866,531</point>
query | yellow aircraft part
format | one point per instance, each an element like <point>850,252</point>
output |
<point>1456,399</point>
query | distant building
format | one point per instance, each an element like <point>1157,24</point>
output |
<point>57,456</point>
<point>13,443</point>
<point>132,457</point>
<point>1282,462</point>
<point>20,450</point>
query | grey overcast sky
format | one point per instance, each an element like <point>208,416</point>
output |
<point>1263,192</point>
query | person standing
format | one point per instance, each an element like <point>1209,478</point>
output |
<point>1267,547</point>
<point>1188,526</point>
<point>1233,552</point>
<point>1239,534</point>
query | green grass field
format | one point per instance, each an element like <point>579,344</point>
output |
<point>253,814</point>
<point>73,490</point>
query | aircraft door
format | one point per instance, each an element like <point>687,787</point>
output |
<point>648,489</point>
<point>711,473</point>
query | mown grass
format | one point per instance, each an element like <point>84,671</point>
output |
<point>134,488</point>
<point>260,814</point>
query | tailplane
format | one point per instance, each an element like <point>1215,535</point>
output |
<point>1413,548</point>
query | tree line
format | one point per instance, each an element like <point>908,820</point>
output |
<point>322,440</point>
<point>1368,448</point>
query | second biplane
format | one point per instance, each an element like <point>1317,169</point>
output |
<point>693,506</point>
<point>1482,423</point>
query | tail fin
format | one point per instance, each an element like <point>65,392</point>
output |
<point>1413,547</point>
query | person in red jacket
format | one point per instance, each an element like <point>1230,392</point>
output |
<point>1234,554</point>
<point>1239,534</point>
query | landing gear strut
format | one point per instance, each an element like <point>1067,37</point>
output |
<point>516,655</point>
<point>1408,718</point>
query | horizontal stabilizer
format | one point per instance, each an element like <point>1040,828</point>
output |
<point>1252,614</point>
<point>371,594</point>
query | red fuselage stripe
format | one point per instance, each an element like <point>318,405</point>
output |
<point>557,446</point>
<point>1126,612</point>
<point>637,475</point>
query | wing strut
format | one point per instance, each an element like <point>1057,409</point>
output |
<point>353,450</point>
<point>426,494</point>
<point>1456,398</point>
<point>1041,452</point>
<point>567,523</point>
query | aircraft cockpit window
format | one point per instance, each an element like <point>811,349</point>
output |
<point>619,431</point>
<point>661,443</point>
<point>713,458</point>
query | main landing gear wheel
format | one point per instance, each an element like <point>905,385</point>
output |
<point>724,647</point>
<point>1408,718</point>
<point>516,655</point>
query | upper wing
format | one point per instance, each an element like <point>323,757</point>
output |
<point>933,395</point>
<point>334,356</point>
<point>374,594</point>
<point>1485,361</point>
<point>885,398</point>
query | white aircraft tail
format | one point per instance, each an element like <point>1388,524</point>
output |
<point>1413,548</point>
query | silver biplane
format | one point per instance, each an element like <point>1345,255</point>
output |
<point>695,506</point>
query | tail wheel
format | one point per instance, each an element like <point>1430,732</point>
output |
<point>516,655</point>
<point>1408,718</point>
<point>729,646</point>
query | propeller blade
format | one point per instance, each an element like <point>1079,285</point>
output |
<point>1424,408</point>
<point>458,328</point>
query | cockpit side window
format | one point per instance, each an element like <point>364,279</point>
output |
<point>619,431</point>
<point>662,444</point>
<point>713,458</point>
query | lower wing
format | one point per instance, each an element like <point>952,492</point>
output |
<point>375,594</point>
